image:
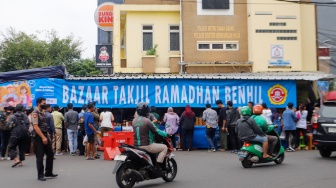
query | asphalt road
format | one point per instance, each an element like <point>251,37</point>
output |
<point>196,169</point>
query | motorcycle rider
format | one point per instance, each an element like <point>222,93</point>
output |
<point>248,130</point>
<point>262,123</point>
<point>144,132</point>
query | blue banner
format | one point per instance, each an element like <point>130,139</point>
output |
<point>158,92</point>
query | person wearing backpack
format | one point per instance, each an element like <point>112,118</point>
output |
<point>5,133</point>
<point>232,116</point>
<point>19,135</point>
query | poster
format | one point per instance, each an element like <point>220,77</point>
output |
<point>14,93</point>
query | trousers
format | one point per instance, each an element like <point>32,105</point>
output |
<point>156,148</point>
<point>41,149</point>
<point>17,142</point>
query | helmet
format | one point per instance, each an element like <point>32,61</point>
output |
<point>245,111</point>
<point>142,109</point>
<point>257,109</point>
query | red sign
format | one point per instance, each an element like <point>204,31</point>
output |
<point>323,52</point>
<point>104,16</point>
<point>277,94</point>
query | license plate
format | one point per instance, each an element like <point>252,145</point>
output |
<point>242,154</point>
<point>120,158</point>
<point>332,130</point>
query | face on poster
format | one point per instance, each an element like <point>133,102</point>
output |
<point>13,93</point>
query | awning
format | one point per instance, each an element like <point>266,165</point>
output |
<point>309,76</point>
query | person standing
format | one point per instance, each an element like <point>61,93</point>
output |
<point>187,122</point>
<point>289,120</point>
<point>19,135</point>
<point>267,114</point>
<point>210,118</point>
<point>42,142</point>
<point>96,124</point>
<point>301,126</point>
<point>58,119</point>
<point>232,116</point>
<point>81,130</point>
<point>172,120</point>
<point>51,126</point>
<point>5,135</point>
<point>71,124</point>
<point>106,119</point>
<point>221,124</point>
<point>90,132</point>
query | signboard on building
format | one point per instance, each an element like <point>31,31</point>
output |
<point>104,56</point>
<point>276,52</point>
<point>104,16</point>
<point>126,93</point>
<point>277,55</point>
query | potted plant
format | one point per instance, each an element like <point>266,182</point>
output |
<point>148,61</point>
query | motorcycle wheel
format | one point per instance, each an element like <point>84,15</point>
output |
<point>171,169</point>
<point>122,180</point>
<point>247,163</point>
<point>280,159</point>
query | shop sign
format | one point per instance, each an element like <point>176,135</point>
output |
<point>104,56</point>
<point>279,63</point>
<point>104,16</point>
<point>126,93</point>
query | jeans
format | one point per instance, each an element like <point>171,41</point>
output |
<point>72,136</point>
<point>210,135</point>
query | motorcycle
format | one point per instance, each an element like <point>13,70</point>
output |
<point>135,165</point>
<point>252,152</point>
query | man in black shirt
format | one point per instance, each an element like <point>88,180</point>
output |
<point>221,124</point>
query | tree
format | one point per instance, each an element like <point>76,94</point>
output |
<point>20,51</point>
<point>85,67</point>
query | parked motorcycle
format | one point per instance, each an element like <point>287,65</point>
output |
<point>137,165</point>
<point>252,152</point>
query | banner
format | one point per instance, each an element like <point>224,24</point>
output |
<point>322,87</point>
<point>157,92</point>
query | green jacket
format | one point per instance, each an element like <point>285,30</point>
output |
<point>145,131</point>
<point>261,122</point>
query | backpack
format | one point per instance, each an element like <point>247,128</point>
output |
<point>3,121</point>
<point>21,128</point>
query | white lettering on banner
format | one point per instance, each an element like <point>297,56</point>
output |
<point>249,93</point>
<point>88,95</point>
<point>260,97</point>
<point>192,94</point>
<point>130,96</point>
<point>175,97</point>
<point>215,93</point>
<point>137,95</point>
<point>234,94</point>
<point>97,95</point>
<point>65,94</point>
<point>104,95</point>
<point>165,95</point>
<point>184,98</point>
<point>207,95</point>
<point>227,93</point>
<point>73,98</point>
<point>241,95</point>
<point>147,92</point>
<point>199,91</point>
<point>115,88</point>
<point>157,94</point>
<point>122,98</point>
<point>142,94</point>
<point>80,99</point>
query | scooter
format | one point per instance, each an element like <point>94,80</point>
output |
<point>135,165</point>
<point>252,152</point>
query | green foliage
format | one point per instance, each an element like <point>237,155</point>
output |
<point>152,51</point>
<point>85,67</point>
<point>19,50</point>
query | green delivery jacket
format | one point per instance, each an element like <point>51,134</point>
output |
<point>144,131</point>
<point>261,122</point>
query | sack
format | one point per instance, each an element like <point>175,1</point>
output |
<point>3,121</point>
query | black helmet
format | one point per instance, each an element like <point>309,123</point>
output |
<point>142,109</point>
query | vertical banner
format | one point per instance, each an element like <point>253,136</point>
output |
<point>322,87</point>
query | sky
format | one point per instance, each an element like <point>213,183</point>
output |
<point>66,17</point>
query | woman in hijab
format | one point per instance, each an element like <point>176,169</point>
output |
<point>172,120</point>
<point>187,122</point>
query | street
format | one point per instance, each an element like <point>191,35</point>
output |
<point>196,169</point>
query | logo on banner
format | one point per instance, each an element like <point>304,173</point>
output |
<point>277,94</point>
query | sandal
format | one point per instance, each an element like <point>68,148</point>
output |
<point>268,157</point>
<point>16,163</point>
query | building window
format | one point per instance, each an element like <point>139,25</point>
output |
<point>216,4</point>
<point>147,37</point>
<point>286,38</point>
<point>217,46</point>
<point>174,34</point>
<point>275,31</point>
<point>277,24</point>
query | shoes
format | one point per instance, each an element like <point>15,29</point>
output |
<point>306,148</point>
<point>41,179</point>
<point>298,148</point>
<point>291,148</point>
<point>51,175</point>
<point>2,158</point>
<point>213,150</point>
<point>72,153</point>
<point>59,154</point>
